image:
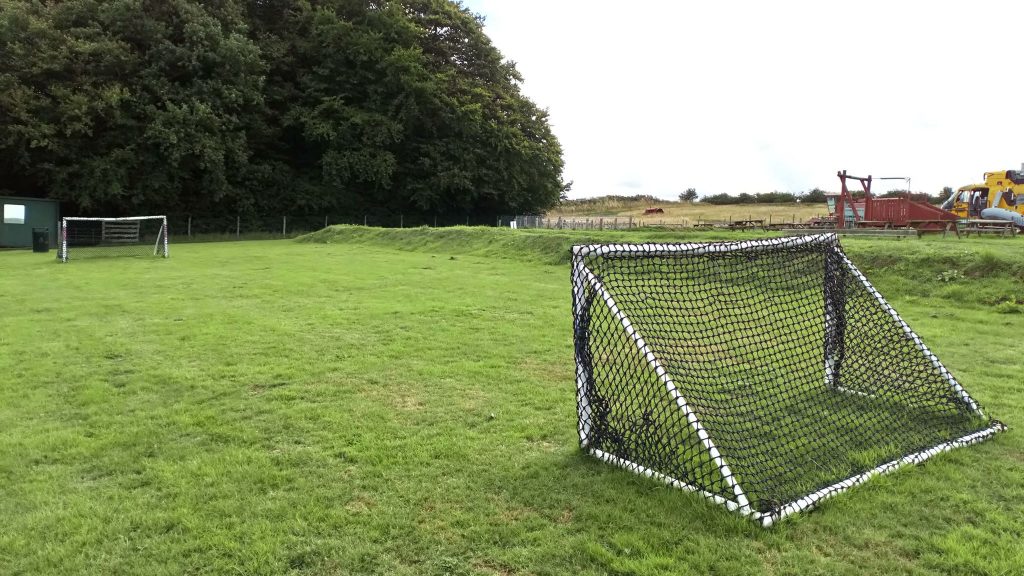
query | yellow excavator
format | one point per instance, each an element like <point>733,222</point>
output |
<point>1001,197</point>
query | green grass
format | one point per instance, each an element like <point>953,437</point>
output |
<point>402,402</point>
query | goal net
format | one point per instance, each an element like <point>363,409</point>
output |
<point>765,375</point>
<point>100,237</point>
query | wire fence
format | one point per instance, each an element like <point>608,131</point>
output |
<point>187,227</point>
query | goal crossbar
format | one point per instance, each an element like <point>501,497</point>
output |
<point>118,219</point>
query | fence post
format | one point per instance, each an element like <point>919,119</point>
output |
<point>401,220</point>
<point>600,224</point>
<point>238,226</point>
<point>630,221</point>
<point>435,220</point>
<point>364,220</point>
<point>189,234</point>
<point>325,220</point>
<point>284,225</point>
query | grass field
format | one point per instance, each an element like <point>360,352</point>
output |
<point>402,402</point>
<point>689,214</point>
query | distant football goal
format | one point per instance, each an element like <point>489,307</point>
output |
<point>101,237</point>
<point>765,375</point>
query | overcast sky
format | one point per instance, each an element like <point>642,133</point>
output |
<point>655,97</point>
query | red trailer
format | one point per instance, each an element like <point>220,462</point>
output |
<point>888,212</point>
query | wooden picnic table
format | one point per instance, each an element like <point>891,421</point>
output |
<point>1001,227</point>
<point>746,224</point>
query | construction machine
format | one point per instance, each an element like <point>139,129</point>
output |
<point>1001,197</point>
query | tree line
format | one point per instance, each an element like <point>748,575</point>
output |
<point>815,195</point>
<point>762,198</point>
<point>266,106</point>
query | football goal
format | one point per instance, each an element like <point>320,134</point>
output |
<point>98,237</point>
<point>765,375</point>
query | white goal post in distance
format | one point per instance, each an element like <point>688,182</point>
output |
<point>766,375</point>
<point>105,237</point>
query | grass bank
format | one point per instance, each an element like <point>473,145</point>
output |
<point>948,268</point>
<point>529,245</point>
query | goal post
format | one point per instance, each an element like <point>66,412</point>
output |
<point>766,375</point>
<point>108,237</point>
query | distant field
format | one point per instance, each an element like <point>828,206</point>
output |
<point>402,402</point>
<point>689,214</point>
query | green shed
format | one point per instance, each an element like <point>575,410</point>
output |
<point>21,215</point>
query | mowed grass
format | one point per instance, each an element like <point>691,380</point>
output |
<point>285,408</point>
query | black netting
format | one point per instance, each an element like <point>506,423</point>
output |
<point>800,374</point>
<point>95,237</point>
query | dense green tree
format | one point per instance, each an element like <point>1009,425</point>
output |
<point>815,195</point>
<point>125,105</point>
<point>352,106</point>
<point>689,195</point>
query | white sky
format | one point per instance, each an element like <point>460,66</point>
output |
<point>655,97</point>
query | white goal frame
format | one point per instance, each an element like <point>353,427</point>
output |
<point>160,248</point>
<point>583,277</point>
